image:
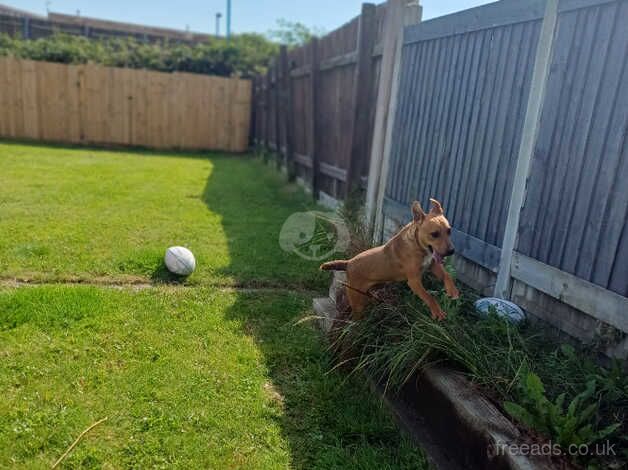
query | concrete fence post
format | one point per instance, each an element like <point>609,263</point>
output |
<point>526,148</point>
<point>399,13</point>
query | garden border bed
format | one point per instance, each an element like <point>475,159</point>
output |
<point>454,423</point>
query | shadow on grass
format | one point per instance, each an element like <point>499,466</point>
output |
<point>327,419</point>
<point>162,275</point>
<point>122,149</point>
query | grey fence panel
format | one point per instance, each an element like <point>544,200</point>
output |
<point>463,90</point>
<point>574,216</point>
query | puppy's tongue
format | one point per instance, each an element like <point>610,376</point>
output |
<point>438,258</point>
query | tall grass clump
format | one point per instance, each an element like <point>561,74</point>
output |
<point>397,338</point>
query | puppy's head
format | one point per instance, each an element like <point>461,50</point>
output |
<point>433,230</point>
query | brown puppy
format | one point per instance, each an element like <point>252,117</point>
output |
<point>422,243</point>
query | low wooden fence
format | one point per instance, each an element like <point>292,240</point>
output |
<point>316,106</point>
<point>92,104</point>
<point>515,116</point>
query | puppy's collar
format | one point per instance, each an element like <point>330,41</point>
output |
<point>418,242</point>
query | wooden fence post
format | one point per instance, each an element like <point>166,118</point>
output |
<point>399,13</point>
<point>312,120</point>
<point>254,111</point>
<point>287,108</point>
<point>276,109</point>
<point>363,79</point>
<point>526,147</point>
<point>267,101</point>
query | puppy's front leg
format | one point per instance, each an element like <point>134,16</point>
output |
<point>442,275</point>
<point>416,285</point>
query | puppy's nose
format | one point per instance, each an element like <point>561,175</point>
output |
<point>451,251</point>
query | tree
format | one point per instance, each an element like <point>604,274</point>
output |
<point>293,33</point>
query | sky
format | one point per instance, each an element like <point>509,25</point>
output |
<point>247,15</point>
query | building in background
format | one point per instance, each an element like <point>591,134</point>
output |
<point>16,22</point>
<point>6,10</point>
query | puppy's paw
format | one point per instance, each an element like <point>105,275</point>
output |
<point>453,292</point>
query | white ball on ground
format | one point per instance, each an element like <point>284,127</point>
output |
<point>180,260</point>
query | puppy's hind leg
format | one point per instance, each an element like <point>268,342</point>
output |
<point>357,301</point>
<point>358,295</point>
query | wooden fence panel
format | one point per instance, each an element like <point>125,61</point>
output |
<point>338,118</point>
<point>240,109</point>
<point>140,106</point>
<point>106,105</point>
<point>73,105</point>
<point>302,138</point>
<point>29,102</point>
<point>273,109</point>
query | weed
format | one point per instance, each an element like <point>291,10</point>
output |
<point>574,426</point>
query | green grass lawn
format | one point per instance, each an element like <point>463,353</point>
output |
<point>78,214</point>
<point>190,376</point>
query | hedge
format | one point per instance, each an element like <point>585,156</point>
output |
<point>244,55</point>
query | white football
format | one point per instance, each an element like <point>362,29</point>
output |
<point>180,260</point>
<point>512,312</point>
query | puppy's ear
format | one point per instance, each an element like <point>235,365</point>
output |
<point>417,212</point>
<point>437,209</point>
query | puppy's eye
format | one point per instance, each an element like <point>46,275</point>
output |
<point>435,234</point>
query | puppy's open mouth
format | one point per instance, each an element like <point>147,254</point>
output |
<point>437,257</point>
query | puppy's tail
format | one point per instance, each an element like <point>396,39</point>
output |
<point>337,265</point>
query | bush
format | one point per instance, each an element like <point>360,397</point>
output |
<point>245,55</point>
